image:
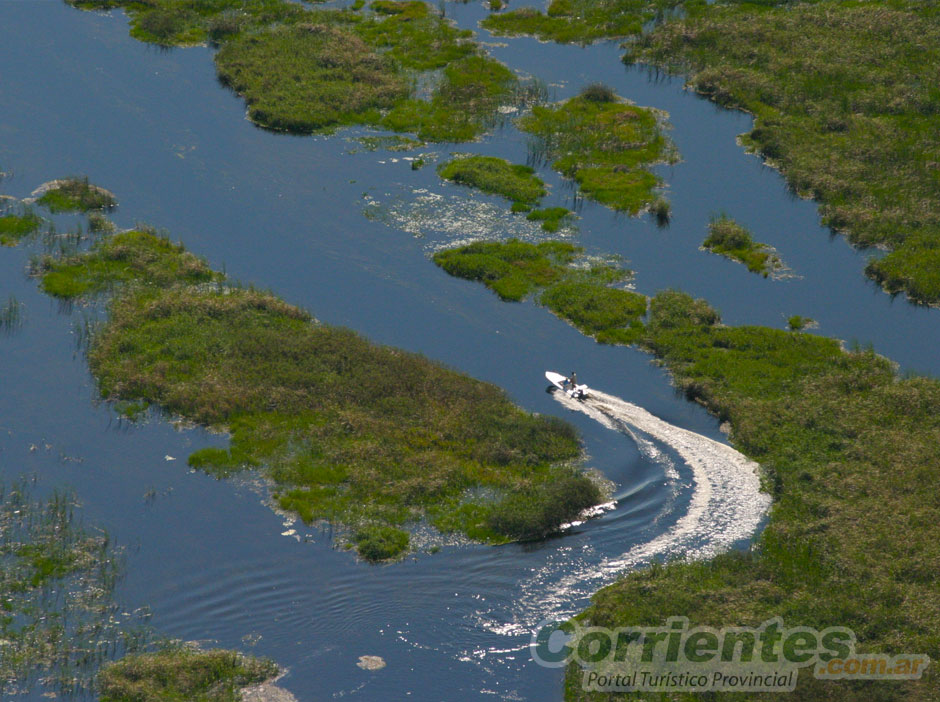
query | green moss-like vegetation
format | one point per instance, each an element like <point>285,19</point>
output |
<point>305,70</point>
<point>728,238</point>
<point>604,144</point>
<point>16,226</point>
<point>582,296</point>
<point>552,218</point>
<point>76,195</point>
<point>496,176</point>
<point>57,613</point>
<point>579,21</point>
<point>851,453</point>
<point>857,134</point>
<point>127,256</point>
<point>369,437</point>
<point>178,674</point>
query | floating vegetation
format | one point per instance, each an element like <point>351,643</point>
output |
<point>582,296</point>
<point>368,437</point>
<point>16,226</point>
<point>729,239</point>
<point>58,621</point>
<point>858,135</point>
<point>183,673</point>
<point>798,323</point>
<point>552,218</point>
<point>74,195</point>
<point>394,142</point>
<point>604,144</point>
<point>496,176</point>
<point>579,21</point>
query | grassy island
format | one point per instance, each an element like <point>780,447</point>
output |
<point>728,238</point>
<point>859,135</point>
<point>496,176</point>
<point>301,70</point>
<point>75,195</point>
<point>849,449</point>
<point>582,296</point>
<point>578,21</point>
<point>366,436</point>
<point>16,226</point>
<point>604,144</point>
<point>180,673</point>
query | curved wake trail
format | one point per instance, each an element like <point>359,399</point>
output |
<point>726,506</point>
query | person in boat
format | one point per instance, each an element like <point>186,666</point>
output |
<point>573,380</point>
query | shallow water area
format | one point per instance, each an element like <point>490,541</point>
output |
<point>79,96</point>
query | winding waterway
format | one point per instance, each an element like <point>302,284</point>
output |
<point>78,95</point>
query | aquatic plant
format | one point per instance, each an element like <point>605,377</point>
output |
<point>183,673</point>
<point>75,195</point>
<point>728,238</point>
<point>14,227</point>
<point>798,323</point>
<point>515,269</point>
<point>580,21</point>
<point>858,135</point>
<point>11,315</point>
<point>368,437</point>
<point>604,144</point>
<point>496,176</point>
<point>552,218</point>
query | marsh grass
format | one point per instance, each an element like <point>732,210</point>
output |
<point>76,195</point>
<point>850,453</point>
<point>58,618</point>
<point>496,176</point>
<point>15,226</point>
<point>11,315</point>
<point>730,239</point>
<point>604,144</point>
<point>582,296</point>
<point>579,21</point>
<point>857,134</point>
<point>368,437</point>
<point>183,673</point>
<point>552,218</point>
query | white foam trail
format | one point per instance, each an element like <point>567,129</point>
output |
<point>726,506</point>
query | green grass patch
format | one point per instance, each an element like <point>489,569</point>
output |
<point>15,227</point>
<point>368,437</point>
<point>180,673</point>
<point>76,195</point>
<point>582,296</point>
<point>125,257</point>
<point>579,21</point>
<point>850,451</point>
<point>496,176</point>
<point>604,144</point>
<point>729,239</point>
<point>858,135</point>
<point>552,218</point>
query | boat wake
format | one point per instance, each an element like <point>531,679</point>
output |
<point>725,506</point>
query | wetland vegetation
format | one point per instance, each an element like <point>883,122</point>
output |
<point>581,295</point>
<point>182,673</point>
<point>368,437</point>
<point>15,226</point>
<point>75,195</point>
<point>605,144</point>
<point>496,176</point>
<point>854,132</point>
<point>729,239</point>
<point>846,444</point>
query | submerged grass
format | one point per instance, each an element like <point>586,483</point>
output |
<point>582,296</point>
<point>856,133</point>
<point>496,176</point>
<point>579,21</point>
<point>604,144</point>
<point>728,238</point>
<point>181,673</point>
<point>369,437</point>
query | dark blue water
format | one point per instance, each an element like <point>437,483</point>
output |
<point>78,96</point>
